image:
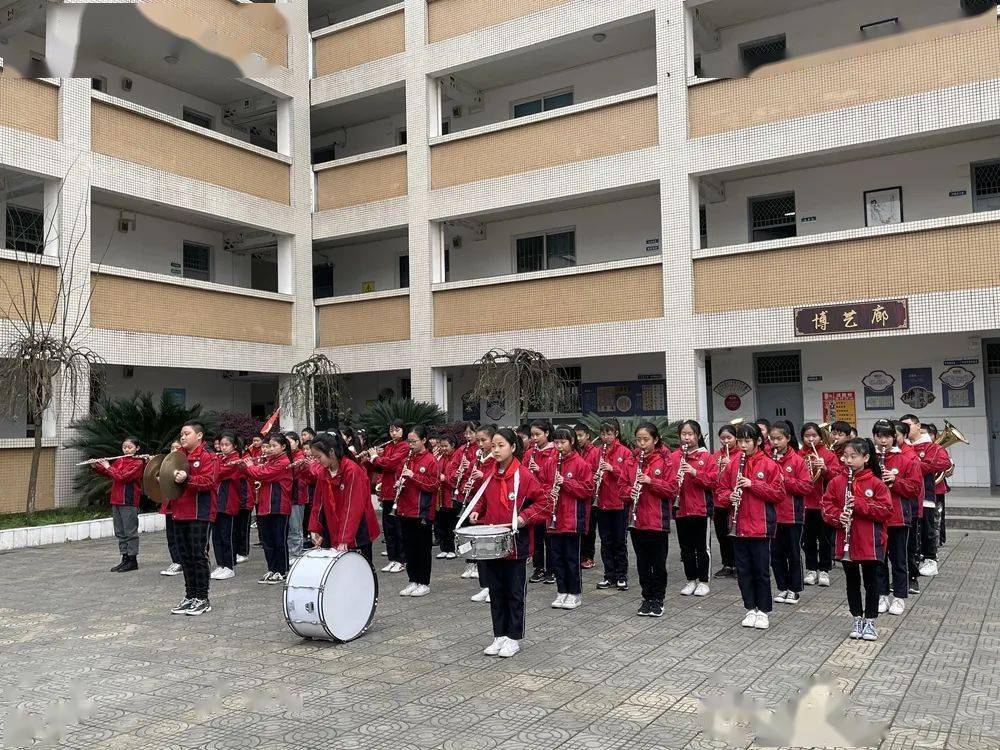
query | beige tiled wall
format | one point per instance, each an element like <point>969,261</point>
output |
<point>382,37</point>
<point>242,22</point>
<point>26,104</point>
<point>364,321</point>
<point>614,129</point>
<point>448,18</point>
<point>22,286</point>
<point>15,466</point>
<point>361,182</point>
<point>128,135</point>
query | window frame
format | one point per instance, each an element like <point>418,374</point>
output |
<point>544,234</point>
<point>9,242</point>
<point>750,201</point>
<point>973,166</point>
<point>747,68</point>
<point>399,270</point>
<point>211,260</point>
<point>542,97</point>
<point>191,111</point>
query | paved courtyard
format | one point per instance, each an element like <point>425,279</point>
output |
<point>100,653</point>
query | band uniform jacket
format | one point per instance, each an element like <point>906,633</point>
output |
<point>197,502</point>
<point>575,494</point>
<point>696,493</point>
<point>540,456</point>
<point>652,512</point>
<point>872,509</point>
<point>417,498</point>
<point>496,505</point>
<point>126,480</point>
<point>831,468</point>
<point>906,487</point>
<point>300,486</point>
<point>933,459</point>
<point>342,510</point>
<point>614,486</point>
<point>797,482</point>
<point>231,484</point>
<point>758,516</point>
<point>942,487</point>
<point>387,467</point>
<point>275,477</point>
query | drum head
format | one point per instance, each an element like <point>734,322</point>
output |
<point>347,601</point>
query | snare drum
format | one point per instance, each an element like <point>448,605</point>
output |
<point>484,542</point>
<point>330,595</point>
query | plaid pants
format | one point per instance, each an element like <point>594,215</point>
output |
<point>192,546</point>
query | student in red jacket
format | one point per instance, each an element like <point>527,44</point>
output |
<point>274,503</point>
<point>193,514</point>
<point>841,433</point>
<point>913,533</point>
<point>231,468</point>
<point>415,511</point>
<point>901,473</point>
<point>541,452</point>
<point>612,505</point>
<point>569,480</point>
<point>756,491</point>
<point>590,453</point>
<point>342,517</point>
<point>301,489</point>
<point>174,569</point>
<point>650,502</point>
<point>861,533</point>
<point>509,494</point>
<point>126,489</point>
<point>386,465</point>
<point>933,459</point>
<point>720,515</point>
<point>481,465</point>
<point>817,537</point>
<point>241,526</point>
<point>786,547</point>
<point>941,488</point>
<point>448,460</point>
<point>693,485</point>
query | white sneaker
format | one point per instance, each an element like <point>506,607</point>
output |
<point>408,591</point>
<point>221,574</point>
<point>572,601</point>
<point>387,568</point>
<point>509,648</point>
<point>762,623</point>
<point>702,589</point>
<point>929,568</point>
<point>470,570</point>
<point>384,553</point>
<point>494,648</point>
<point>883,604</point>
<point>421,590</point>
<point>441,555</point>
<point>559,601</point>
<point>897,606</point>
<point>824,578</point>
<point>689,588</point>
<point>810,579</point>
<point>751,619</point>
<point>242,558</point>
<point>449,555</point>
<point>780,598</point>
<point>482,596</point>
<point>397,567</point>
<point>171,570</point>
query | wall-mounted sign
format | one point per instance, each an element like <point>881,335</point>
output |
<point>879,393</point>
<point>957,387</point>
<point>653,246</point>
<point>625,398</point>
<point>805,219</point>
<point>957,193</point>
<point>949,362</point>
<point>814,378</point>
<point>733,402</point>
<point>840,406</point>
<point>918,387</point>
<point>367,286</point>
<point>177,396</point>
<point>881,315</point>
<point>731,386</point>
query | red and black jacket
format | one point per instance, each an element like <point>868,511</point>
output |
<point>906,486</point>
<point>231,495</point>
<point>575,495</point>
<point>797,483</point>
<point>758,516</point>
<point>342,511</point>
<point>696,494</point>
<point>831,468</point>
<point>417,498</point>
<point>496,503</point>
<point>540,456</point>
<point>387,467</point>
<point>872,510</point>
<point>126,480</point>
<point>614,492</point>
<point>197,502</point>
<point>275,477</point>
<point>446,484</point>
<point>933,459</point>
<point>652,511</point>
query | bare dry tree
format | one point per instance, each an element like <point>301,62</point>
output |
<point>43,354</point>
<point>525,372</point>
<point>315,385</point>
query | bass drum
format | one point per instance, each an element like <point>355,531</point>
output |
<point>330,595</point>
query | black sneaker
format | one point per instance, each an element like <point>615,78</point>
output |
<point>622,585</point>
<point>724,572</point>
<point>791,597</point>
<point>131,563</point>
<point>182,608</point>
<point>644,608</point>
<point>605,584</point>
<point>550,578</point>
<point>199,607</point>
<point>914,586</point>
<point>655,609</point>
<point>537,576</point>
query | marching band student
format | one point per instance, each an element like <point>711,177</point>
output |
<point>415,510</point>
<point>612,506</point>
<point>871,508</point>
<point>817,536</point>
<point>244,519</point>
<point>786,547</point>
<point>447,513</point>
<point>509,489</point>
<point>913,533</point>
<point>174,569</point>
<point>591,454</point>
<point>256,448</point>
<point>477,471</point>
<point>126,489</point>
<point>757,489</point>
<point>941,488</point>
<point>650,517</point>
<point>274,504</point>
<point>193,514</point>
<point>693,486</point>
<point>300,496</point>
<point>386,464</point>
<point>901,474</point>
<point>229,498</point>
<point>343,517</point>
<point>569,480</point>
<point>765,430</point>
<point>308,434</point>
<point>933,459</point>
<point>541,451</point>
<point>720,514</point>
<point>841,434</point>
<point>524,432</point>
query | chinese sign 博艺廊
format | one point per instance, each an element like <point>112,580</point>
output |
<point>880,315</point>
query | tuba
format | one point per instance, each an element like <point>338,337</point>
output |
<point>950,436</point>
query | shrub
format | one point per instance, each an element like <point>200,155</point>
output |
<point>668,429</point>
<point>376,420</point>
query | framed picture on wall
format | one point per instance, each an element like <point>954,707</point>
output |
<point>883,207</point>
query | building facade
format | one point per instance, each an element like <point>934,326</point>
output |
<point>708,208</point>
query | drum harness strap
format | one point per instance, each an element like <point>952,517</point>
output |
<point>479,494</point>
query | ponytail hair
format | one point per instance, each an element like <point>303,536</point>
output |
<point>282,440</point>
<point>511,437</point>
<point>695,428</point>
<point>653,431</point>
<point>563,432</point>
<point>544,425</point>
<point>784,426</point>
<point>865,447</point>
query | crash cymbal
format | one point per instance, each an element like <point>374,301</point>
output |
<point>176,461</point>
<point>150,486</point>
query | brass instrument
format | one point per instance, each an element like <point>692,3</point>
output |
<point>824,434</point>
<point>467,492</point>
<point>636,491</point>
<point>737,496</point>
<point>849,510</point>
<point>816,471</point>
<point>554,492</point>
<point>92,461</point>
<point>599,477</point>
<point>949,436</point>
<point>400,482</point>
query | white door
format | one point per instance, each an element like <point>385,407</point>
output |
<point>779,387</point>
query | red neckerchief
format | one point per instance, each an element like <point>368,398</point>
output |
<point>506,479</point>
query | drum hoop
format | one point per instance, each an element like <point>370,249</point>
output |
<point>284,600</point>
<point>322,587</point>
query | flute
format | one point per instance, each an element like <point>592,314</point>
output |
<point>92,461</point>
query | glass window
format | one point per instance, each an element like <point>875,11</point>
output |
<point>560,250</point>
<point>404,271</point>
<point>543,103</point>
<point>197,118</point>
<point>531,254</point>
<point>528,108</point>
<point>546,251</point>
<point>556,101</point>
<point>25,230</point>
<point>197,261</point>
<point>772,217</point>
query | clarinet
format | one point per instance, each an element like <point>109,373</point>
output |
<point>400,482</point>
<point>680,471</point>
<point>480,460</point>
<point>462,465</point>
<point>636,491</point>
<point>554,494</point>
<point>599,477</point>
<point>849,510</point>
<point>737,496</point>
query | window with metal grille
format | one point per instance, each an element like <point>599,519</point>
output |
<point>993,359</point>
<point>772,217</point>
<point>197,261</point>
<point>25,230</point>
<point>544,252</point>
<point>763,51</point>
<point>544,103</point>
<point>569,402</point>
<point>773,369</point>
<point>703,226</point>
<point>986,179</point>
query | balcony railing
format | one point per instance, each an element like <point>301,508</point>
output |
<point>363,319</point>
<point>449,18</point>
<point>30,105</point>
<point>378,176</point>
<point>15,468</point>
<point>592,130</point>
<point>359,41</point>
<point>922,257</point>
<point>637,285</point>
<point>904,65</point>
<point>137,301</point>
<point>228,19</point>
<point>135,134</point>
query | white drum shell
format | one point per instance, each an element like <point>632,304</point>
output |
<point>487,542</point>
<point>330,595</point>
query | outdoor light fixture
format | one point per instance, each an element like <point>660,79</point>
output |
<point>600,36</point>
<point>171,59</point>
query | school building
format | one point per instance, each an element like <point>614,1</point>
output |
<point>701,208</point>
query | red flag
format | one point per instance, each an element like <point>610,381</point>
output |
<point>269,424</point>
